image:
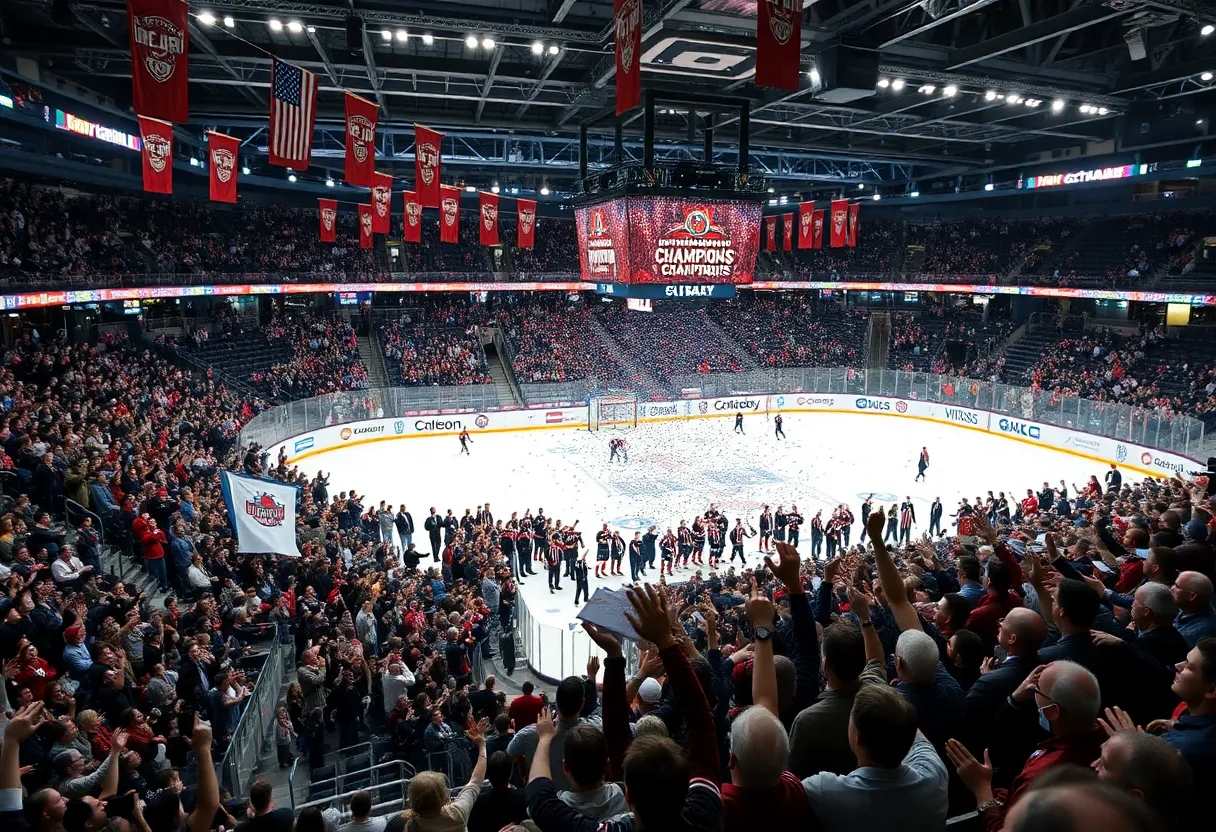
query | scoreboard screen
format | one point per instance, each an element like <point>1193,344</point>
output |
<point>668,240</point>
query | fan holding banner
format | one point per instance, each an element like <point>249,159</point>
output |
<point>263,513</point>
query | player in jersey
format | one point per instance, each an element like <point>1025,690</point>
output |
<point>794,521</point>
<point>580,579</point>
<point>573,541</point>
<point>553,559</point>
<point>737,535</point>
<point>523,546</point>
<point>922,464</point>
<point>766,529</point>
<point>817,536</point>
<point>739,423</point>
<point>685,551</point>
<point>832,533</point>
<point>506,542</point>
<point>716,544</point>
<point>612,450</point>
<point>540,524</point>
<point>846,524</point>
<point>635,557</point>
<point>698,541</point>
<point>618,553</point>
<point>603,548</point>
<point>779,433</point>
<point>780,521</point>
<point>465,439</point>
<point>667,548</point>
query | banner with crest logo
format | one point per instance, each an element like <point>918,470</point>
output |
<point>263,514</point>
<point>413,218</point>
<point>428,147</point>
<point>488,211</point>
<point>778,43</point>
<point>770,233</point>
<point>361,116</point>
<point>854,218</point>
<point>160,47</point>
<point>329,220</point>
<point>366,232</point>
<point>806,224</point>
<point>157,138</point>
<point>817,234</point>
<point>840,220</point>
<point>382,201</point>
<point>223,152</point>
<point>627,28</point>
<point>525,236</point>
<point>449,214</point>
<point>787,225</point>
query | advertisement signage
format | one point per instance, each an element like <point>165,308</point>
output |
<point>1078,177</point>
<point>687,291</point>
<point>83,127</point>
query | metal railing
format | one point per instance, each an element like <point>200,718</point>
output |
<point>346,783</point>
<point>252,736</point>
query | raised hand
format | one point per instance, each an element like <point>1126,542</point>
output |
<point>649,616</point>
<point>607,642</point>
<point>787,568</point>
<point>975,775</point>
<point>760,610</point>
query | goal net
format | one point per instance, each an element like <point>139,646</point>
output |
<point>615,412</point>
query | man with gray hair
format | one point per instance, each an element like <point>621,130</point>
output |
<point>1067,699</point>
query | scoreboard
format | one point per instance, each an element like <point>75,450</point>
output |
<point>662,241</point>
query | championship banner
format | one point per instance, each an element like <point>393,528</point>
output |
<point>787,222</point>
<point>778,43</point>
<point>428,147</point>
<point>806,224</point>
<point>840,219</point>
<point>488,227</point>
<point>413,218</point>
<point>817,229</point>
<point>449,214</point>
<point>525,236</point>
<point>627,26</point>
<point>365,226</point>
<point>222,153</point>
<point>854,216</point>
<point>263,514</point>
<point>770,229</point>
<point>157,137</point>
<point>361,116</point>
<point>160,46</point>
<point>329,220</point>
<point>382,200</point>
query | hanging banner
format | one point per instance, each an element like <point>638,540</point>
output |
<point>770,228</point>
<point>365,226</point>
<point>382,200</point>
<point>488,228</point>
<point>293,114</point>
<point>263,513</point>
<point>222,155</point>
<point>840,220</point>
<point>806,224</point>
<point>525,236</point>
<point>329,220</point>
<point>449,214</point>
<point>854,212</point>
<point>817,229</point>
<point>778,43</point>
<point>427,157</point>
<point>627,26</point>
<point>157,137</point>
<point>361,116</point>
<point>413,218</point>
<point>787,223</point>
<point>160,46</point>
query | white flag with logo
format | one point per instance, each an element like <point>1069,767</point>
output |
<point>263,513</point>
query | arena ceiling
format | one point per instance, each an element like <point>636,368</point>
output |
<point>965,86</point>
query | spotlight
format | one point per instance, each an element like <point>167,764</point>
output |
<point>988,186</point>
<point>990,95</point>
<point>295,27</point>
<point>245,170</point>
<point>897,84</point>
<point>193,162</point>
<point>1207,30</point>
<point>553,50</point>
<point>538,48</point>
<point>276,25</point>
<point>471,41</point>
<point>206,18</point>
<point>784,199</point>
<point>1207,76</point>
<point>329,182</point>
<point>428,39</point>
<point>385,34</point>
<point>861,186</point>
<point>1057,106</point>
<point>544,190</point>
<point>469,189</point>
<point>884,83</point>
<point>229,22</point>
<point>772,190</point>
<point>495,189</point>
<point>291,177</point>
<point>487,43</point>
<point>1102,111</point>
<point>772,202</point>
<point>814,76</point>
<point>927,89</point>
<point>403,35</point>
<point>914,194</point>
<point>311,29</point>
<point>1085,109</point>
<point>514,190</point>
<point>876,197</point>
<point>949,90</point>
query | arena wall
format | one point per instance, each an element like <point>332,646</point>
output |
<point>1128,456</point>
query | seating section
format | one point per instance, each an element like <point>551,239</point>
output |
<point>433,344</point>
<point>322,357</point>
<point>553,341</point>
<point>793,331</point>
<point>669,342</point>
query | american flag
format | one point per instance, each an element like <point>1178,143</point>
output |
<point>293,111</point>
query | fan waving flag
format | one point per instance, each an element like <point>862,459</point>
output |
<point>806,221</point>
<point>361,117</point>
<point>787,225</point>
<point>525,236</point>
<point>778,43</point>
<point>488,203</point>
<point>413,218</point>
<point>427,157</point>
<point>157,138</point>
<point>329,220</point>
<point>382,200</point>
<point>222,153</point>
<point>449,215</point>
<point>365,226</point>
<point>263,514</point>
<point>293,112</point>
<point>160,47</point>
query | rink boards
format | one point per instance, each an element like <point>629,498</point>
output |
<point>1129,456</point>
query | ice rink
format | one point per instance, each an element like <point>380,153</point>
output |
<point>675,470</point>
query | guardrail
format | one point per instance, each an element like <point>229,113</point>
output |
<point>253,733</point>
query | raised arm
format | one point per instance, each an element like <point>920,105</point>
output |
<point>788,570</point>
<point>888,578</point>
<point>615,714</point>
<point>761,613</point>
<point>860,605</point>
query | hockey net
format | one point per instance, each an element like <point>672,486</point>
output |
<point>613,412</point>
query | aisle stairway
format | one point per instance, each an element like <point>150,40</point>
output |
<point>502,383</point>
<point>373,358</point>
<point>1022,355</point>
<point>745,355</point>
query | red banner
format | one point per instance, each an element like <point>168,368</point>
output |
<point>365,226</point>
<point>488,227</point>
<point>806,224</point>
<point>627,26</point>
<point>778,43</point>
<point>854,212</point>
<point>525,236</point>
<point>770,228</point>
<point>157,138</point>
<point>840,220</point>
<point>449,214</point>
<point>817,229</point>
<point>160,46</point>
<point>413,218</point>
<point>361,116</point>
<point>382,202</point>
<point>428,146</point>
<point>787,223</point>
<point>223,152</point>
<point>329,220</point>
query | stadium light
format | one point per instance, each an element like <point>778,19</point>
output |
<point>538,48</point>
<point>772,190</point>
<point>487,43</point>
<point>428,39</point>
<point>861,186</point>
<point>784,199</point>
<point>291,177</point>
<point>876,197</point>
<point>229,21</point>
<point>884,83</point>
<point>471,41</point>
<point>772,202</point>
<point>469,189</point>
<point>897,84</point>
<point>386,34</point>
<point>553,49</point>
<point>329,182</point>
<point>295,27</point>
<point>403,35</point>
<point>1057,106</point>
<point>311,29</point>
<point>544,190</point>
<point>950,90</point>
<point>1207,76</point>
<point>990,95</point>
<point>814,76</point>
<point>276,25</point>
<point>988,186</point>
<point>206,18</point>
<point>1102,111</point>
<point>1207,30</point>
<point>245,170</point>
<point>927,89</point>
<point>495,189</point>
<point>914,194</point>
<point>193,162</point>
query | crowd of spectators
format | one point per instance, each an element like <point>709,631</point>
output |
<point>554,341</point>
<point>554,249</point>
<point>43,230</point>
<point>671,341</point>
<point>436,343</point>
<point>324,356</point>
<point>793,330</point>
